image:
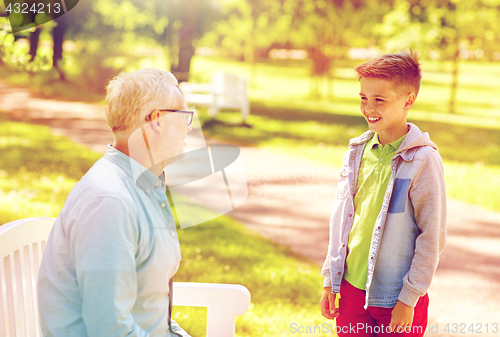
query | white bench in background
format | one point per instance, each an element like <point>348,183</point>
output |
<point>226,91</point>
<point>21,247</point>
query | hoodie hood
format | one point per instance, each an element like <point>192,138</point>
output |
<point>413,140</point>
<point>416,138</point>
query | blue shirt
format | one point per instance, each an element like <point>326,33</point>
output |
<point>109,258</point>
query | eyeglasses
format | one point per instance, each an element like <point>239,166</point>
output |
<point>188,115</point>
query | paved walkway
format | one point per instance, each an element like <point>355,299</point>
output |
<point>290,202</point>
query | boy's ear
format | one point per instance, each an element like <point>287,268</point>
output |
<point>410,100</point>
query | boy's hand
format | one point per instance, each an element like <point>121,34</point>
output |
<point>327,303</point>
<point>401,317</point>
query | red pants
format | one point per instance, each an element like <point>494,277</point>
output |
<point>354,320</point>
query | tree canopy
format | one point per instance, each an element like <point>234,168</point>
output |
<point>108,35</point>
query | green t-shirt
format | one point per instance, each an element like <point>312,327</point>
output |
<point>373,178</point>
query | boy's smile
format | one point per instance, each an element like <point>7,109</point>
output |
<point>384,110</point>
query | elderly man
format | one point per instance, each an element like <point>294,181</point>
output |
<point>110,258</point>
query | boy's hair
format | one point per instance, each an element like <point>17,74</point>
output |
<point>401,68</point>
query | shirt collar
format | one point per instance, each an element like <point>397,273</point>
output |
<point>374,141</point>
<point>395,144</point>
<point>144,178</point>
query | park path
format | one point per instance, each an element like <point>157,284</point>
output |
<point>290,201</point>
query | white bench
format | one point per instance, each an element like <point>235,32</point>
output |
<point>226,91</point>
<point>21,247</point>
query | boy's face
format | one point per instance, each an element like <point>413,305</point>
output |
<point>384,109</point>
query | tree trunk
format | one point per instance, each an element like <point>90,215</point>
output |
<point>250,60</point>
<point>253,79</point>
<point>321,67</point>
<point>34,38</point>
<point>58,37</point>
<point>454,81</point>
<point>186,52</point>
<point>329,77</point>
<point>172,38</point>
<point>186,35</point>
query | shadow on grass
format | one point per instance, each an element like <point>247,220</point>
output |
<point>46,85</point>
<point>479,229</point>
<point>476,105</point>
<point>464,143</point>
<point>430,107</point>
<point>282,284</point>
<point>223,251</point>
<point>37,170</point>
<point>309,127</point>
<point>469,261</point>
<point>211,123</point>
<point>306,115</point>
<point>46,156</point>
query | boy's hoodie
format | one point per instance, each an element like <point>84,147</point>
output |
<point>410,230</point>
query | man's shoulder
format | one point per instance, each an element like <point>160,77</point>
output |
<point>104,180</point>
<point>102,197</point>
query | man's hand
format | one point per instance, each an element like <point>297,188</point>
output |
<point>401,317</point>
<point>327,303</point>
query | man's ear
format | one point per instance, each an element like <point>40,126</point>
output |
<point>155,122</point>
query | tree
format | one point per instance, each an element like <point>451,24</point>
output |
<point>462,27</point>
<point>173,24</point>
<point>324,28</point>
<point>187,21</point>
<point>319,24</point>
<point>328,28</point>
<point>454,29</point>
<point>58,38</point>
<point>34,38</point>
<point>245,25</point>
<point>102,29</point>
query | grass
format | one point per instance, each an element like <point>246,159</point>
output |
<point>286,117</point>
<point>280,84</point>
<point>47,85</point>
<point>38,169</point>
<point>471,155</point>
<point>284,287</point>
<point>271,126</point>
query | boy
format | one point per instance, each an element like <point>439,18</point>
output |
<point>388,226</point>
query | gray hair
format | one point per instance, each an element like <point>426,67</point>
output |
<point>130,96</point>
